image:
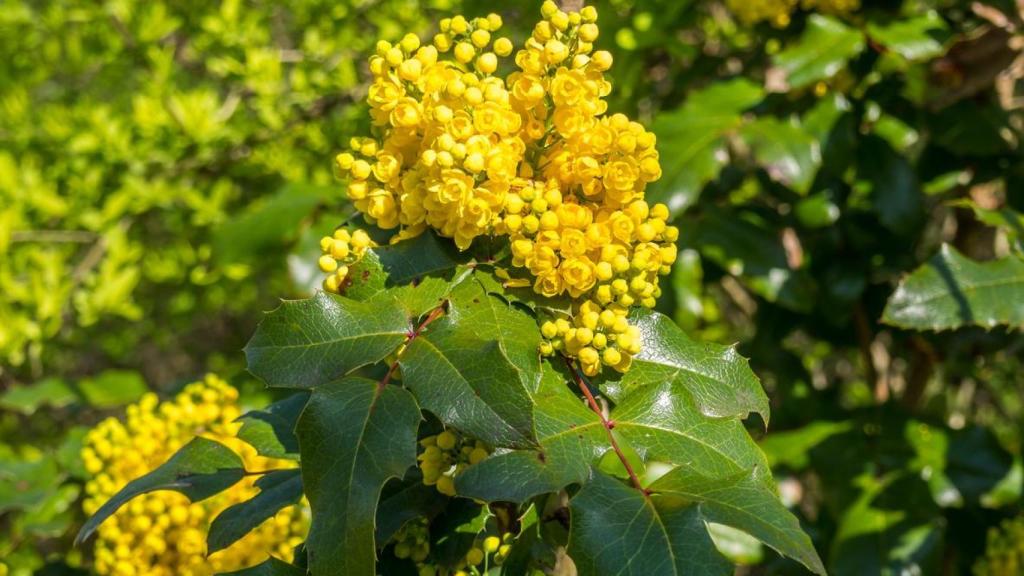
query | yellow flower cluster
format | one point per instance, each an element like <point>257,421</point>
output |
<point>413,540</point>
<point>531,156</point>
<point>445,455</point>
<point>490,551</point>
<point>340,251</point>
<point>1004,552</point>
<point>778,12</point>
<point>162,533</point>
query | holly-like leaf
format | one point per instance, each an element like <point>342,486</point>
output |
<point>917,38</point>
<point>476,367</point>
<point>951,291</point>
<point>200,469</point>
<point>821,52</point>
<point>570,435</point>
<point>659,420</point>
<point>718,379</point>
<point>278,489</point>
<point>271,431</point>
<point>271,567</point>
<point>746,503</point>
<point>354,436</point>
<point>694,137</point>
<point>304,343</point>
<point>615,529</point>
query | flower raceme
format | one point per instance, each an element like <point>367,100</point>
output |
<point>531,155</point>
<point>162,533</point>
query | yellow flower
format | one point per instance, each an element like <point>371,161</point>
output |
<point>162,533</point>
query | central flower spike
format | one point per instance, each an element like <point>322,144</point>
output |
<point>531,155</point>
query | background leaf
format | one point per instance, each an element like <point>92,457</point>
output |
<point>951,291</point>
<point>820,53</point>
<point>476,367</point>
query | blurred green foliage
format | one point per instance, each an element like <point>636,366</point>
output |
<point>165,173</point>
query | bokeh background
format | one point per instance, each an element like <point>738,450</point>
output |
<point>166,173</point>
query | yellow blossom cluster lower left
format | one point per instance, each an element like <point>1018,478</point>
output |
<point>162,533</point>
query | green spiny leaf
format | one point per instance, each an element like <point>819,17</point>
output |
<point>951,291</point>
<point>476,367</point>
<point>615,529</point>
<point>198,470</point>
<point>305,343</point>
<point>278,489</point>
<point>354,436</point>
<point>718,379</point>
<point>271,431</point>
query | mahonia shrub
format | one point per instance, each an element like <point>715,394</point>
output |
<point>483,382</point>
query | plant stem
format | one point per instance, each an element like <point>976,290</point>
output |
<point>433,315</point>
<point>608,426</point>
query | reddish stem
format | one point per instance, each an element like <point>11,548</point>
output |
<point>434,315</point>
<point>608,426</point>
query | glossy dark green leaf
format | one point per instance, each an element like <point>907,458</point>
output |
<point>788,153</point>
<point>278,489</point>
<point>951,291</point>
<point>271,431</point>
<point>354,436</point>
<point>693,140</point>
<point>615,529</point>
<point>271,567</point>
<point>746,503</point>
<point>659,420</point>
<point>570,435</point>
<point>821,52</point>
<point>915,38</point>
<point>476,367</point>
<point>198,470</point>
<point>718,379</point>
<point>304,343</point>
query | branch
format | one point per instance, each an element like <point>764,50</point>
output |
<point>434,315</point>
<point>608,426</point>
